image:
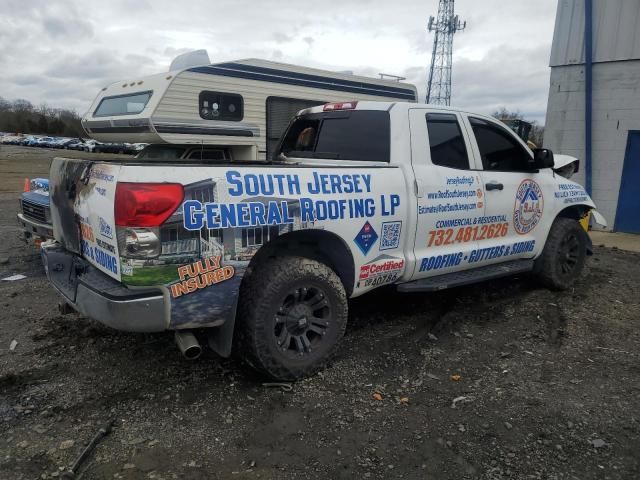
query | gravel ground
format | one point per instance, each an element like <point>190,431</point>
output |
<point>493,381</point>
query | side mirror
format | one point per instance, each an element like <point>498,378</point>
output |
<point>543,158</point>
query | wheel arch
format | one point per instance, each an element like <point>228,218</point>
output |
<point>322,245</point>
<point>577,213</point>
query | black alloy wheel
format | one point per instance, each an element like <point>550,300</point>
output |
<point>302,321</point>
<point>569,253</point>
<point>564,254</point>
<point>292,314</point>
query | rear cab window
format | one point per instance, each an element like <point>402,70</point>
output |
<point>361,135</point>
<point>280,111</point>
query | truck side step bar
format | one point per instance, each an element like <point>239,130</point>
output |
<point>458,279</point>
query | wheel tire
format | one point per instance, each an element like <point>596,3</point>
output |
<point>563,256</point>
<point>292,314</point>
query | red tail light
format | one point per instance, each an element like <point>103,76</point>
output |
<point>146,204</point>
<point>329,107</point>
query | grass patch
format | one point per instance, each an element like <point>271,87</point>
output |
<point>152,275</point>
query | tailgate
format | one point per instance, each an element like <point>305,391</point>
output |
<point>82,195</point>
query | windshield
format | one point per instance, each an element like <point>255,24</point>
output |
<point>123,104</point>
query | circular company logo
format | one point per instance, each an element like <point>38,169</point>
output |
<point>528,208</point>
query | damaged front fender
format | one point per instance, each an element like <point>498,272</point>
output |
<point>599,218</point>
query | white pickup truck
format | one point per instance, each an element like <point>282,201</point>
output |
<point>264,256</point>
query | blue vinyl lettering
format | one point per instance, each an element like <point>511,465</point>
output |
<point>192,215</point>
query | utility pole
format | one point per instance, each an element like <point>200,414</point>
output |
<point>439,84</point>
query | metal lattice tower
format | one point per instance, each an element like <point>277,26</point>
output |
<point>439,84</point>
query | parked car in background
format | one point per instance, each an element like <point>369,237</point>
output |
<point>48,141</point>
<point>59,142</point>
<point>65,142</point>
<point>90,145</point>
<point>44,142</point>
<point>134,148</point>
<point>75,144</point>
<point>110,148</point>
<point>12,139</point>
<point>34,214</point>
<point>28,140</point>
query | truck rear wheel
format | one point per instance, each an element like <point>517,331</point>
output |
<point>564,254</point>
<point>292,314</point>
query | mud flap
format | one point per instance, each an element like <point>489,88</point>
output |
<point>220,339</point>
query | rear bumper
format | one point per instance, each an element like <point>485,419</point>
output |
<point>98,296</point>
<point>32,228</point>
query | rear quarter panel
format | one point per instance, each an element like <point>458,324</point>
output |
<point>229,212</point>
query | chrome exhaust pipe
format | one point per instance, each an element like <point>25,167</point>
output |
<point>188,345</point>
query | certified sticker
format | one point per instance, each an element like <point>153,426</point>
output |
<point>528,207</point>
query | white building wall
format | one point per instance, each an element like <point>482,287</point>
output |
<point>615,111</point>
<point>616,31</point>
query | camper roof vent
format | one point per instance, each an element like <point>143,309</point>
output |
<point>190,59</point>
<point>388,76</point>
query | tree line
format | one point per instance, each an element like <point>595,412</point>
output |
<point>21,116</point>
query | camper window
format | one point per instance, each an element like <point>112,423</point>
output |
<point>129,104</point>
<point>221,106</point>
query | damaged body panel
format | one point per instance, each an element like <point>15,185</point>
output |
<point>66,178</point>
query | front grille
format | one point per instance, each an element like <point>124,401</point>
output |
<point>34,211</point>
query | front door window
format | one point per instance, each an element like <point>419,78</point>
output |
<point>518,201</point>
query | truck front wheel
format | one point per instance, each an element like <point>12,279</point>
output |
<point>292,314</point>
<point>564,254</point>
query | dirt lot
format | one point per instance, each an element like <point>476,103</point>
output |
<point>549,384</point>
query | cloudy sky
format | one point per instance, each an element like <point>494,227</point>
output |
<point>62,52</point>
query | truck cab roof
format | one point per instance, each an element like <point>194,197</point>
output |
<point>379,105</point>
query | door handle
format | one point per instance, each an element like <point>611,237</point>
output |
<point>494,186</point>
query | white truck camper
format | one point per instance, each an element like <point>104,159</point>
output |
<point>242,106</point>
